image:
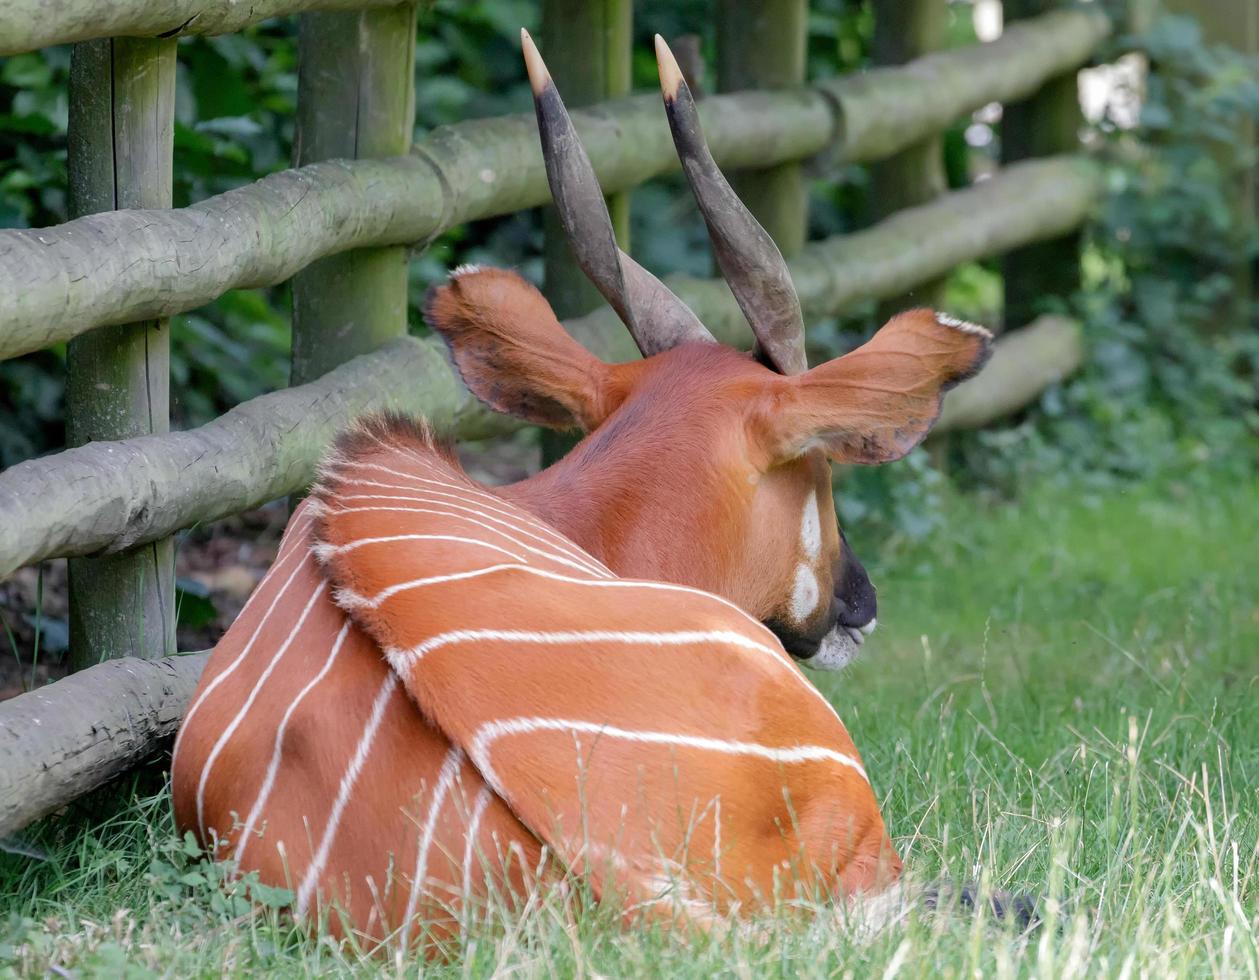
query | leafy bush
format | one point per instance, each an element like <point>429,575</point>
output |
<point>1169,383</point>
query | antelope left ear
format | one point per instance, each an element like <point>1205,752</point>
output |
<point>878,402</point>
<point>514,354</point>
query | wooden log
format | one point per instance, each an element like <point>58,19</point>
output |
<point>26,25</point>
<point>761,45</point>
<point>905,30</point>
<point>66,739</point>
<point>121,139</point>
<point>108,497</point>
<point>58,282</point>
<point>70,737</point>
<point>886,110</point>
<point>1024,363</point>
<point>355,100</point>
<point>1046,123</point>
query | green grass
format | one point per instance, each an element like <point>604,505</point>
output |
<point>1061,699</point>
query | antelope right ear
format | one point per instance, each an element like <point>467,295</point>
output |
<point>878,402</point>
<point>515,356</point>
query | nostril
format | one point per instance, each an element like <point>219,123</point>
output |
<point>858,617</point>
<point>857,611</point>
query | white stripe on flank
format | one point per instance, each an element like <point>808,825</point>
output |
<point>277,750</point>
<point>445,777</point>
<point>487,734</point>
<point>358,601</point>
<point>403,660</point>
<point>469,845</point>
<point>240,657</point>
<point>348,779</point>
<point>549,556</point>
<point>491,502</point>
<point>325,550</point>
<point>244,708</point>
<point>349,599</point>
<point>576,559</point>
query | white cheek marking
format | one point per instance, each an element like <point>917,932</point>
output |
<point>804,594</point>
<point>811,528</point>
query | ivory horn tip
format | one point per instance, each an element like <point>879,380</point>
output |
<point>670,74</point>
<point>539,77</point>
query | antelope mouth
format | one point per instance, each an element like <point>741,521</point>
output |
<point>840,646</point>
<point>858,634</point>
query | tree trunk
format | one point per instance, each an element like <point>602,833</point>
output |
<point>761,45</point>
<point>355,100</point>
<point>903,31</point>
<point>122,104</point>
<point>588,48</point>
<point>1047,123</point>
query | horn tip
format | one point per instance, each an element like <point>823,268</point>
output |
<point>670,74</point>
<point>539,77</point>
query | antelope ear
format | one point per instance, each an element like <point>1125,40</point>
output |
<point>878,402</point>
<point>515,356</point>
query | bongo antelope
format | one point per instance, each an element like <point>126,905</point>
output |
<point>443,692</point>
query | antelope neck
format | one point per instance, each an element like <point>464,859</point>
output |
<point>578,499</point>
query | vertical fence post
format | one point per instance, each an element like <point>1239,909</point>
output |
<point>1045,123</point>
<point>587,46</point>
<point>905,30</point>
<point>355,99</point>
<point>122,104</point>
<point>761,44</point>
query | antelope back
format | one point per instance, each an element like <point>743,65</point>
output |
<point>654,738</point>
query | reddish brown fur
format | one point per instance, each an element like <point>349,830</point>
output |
<point>693,474</point>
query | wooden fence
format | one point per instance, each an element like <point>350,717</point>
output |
<point>340,225</point>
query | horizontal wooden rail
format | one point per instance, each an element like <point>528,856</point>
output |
<point>1024,363</point>
<point>67,739</point>
<point>114,495</point>
<point>127,266</point>
<point>29,24</point>
<point>886,110</point>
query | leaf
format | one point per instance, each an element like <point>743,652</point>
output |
<point>193,604</point>
<point>26,71</point>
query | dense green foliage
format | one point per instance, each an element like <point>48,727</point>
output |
<point>1062,706</point>
<point>1173,354</point>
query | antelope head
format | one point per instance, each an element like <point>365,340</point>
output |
<point>702,465</point>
